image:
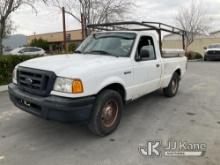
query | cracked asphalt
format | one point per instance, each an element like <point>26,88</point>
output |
<point>193,116</point>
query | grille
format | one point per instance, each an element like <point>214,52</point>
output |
<point>34,81</point>
<point>213,52</point>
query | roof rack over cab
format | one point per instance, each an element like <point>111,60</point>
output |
<point>140,26</point>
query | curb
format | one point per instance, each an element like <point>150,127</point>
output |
<point>3,88</point>
<point>195,60</point>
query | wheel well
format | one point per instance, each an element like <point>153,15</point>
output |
<point>119,88</point>
<point>178,71</point>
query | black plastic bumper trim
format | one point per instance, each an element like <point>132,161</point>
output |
<point>52,107</point>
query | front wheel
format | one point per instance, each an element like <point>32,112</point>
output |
<point>106,113</point>
<point>173,87</point>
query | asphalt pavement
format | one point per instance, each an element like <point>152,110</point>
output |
<point>192,116</point>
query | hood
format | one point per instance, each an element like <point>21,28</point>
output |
<point>213,49</point>
<point>74,63</point>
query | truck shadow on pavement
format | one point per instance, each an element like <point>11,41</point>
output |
<point>38,132</point>
<point>130,109</point>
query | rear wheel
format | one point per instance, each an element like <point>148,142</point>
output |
<point>173,87</point>
<point>106,113</point>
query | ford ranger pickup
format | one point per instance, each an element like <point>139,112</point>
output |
<point>109,69</point>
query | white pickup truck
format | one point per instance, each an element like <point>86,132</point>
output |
<point>108,70</point>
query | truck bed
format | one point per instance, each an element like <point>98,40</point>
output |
<point>170,53</point>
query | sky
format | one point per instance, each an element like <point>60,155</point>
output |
<point>49,19</point>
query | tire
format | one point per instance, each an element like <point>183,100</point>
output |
<point>173,87</point>
<point>106,114</point>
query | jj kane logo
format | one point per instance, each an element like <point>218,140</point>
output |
<point>155,148</point>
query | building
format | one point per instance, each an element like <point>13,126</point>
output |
<point>55,39</point>
<point>14,41</point>
<point>175,41</point>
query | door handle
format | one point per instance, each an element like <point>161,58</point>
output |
<point>158,65</point>
<point>127,72</point>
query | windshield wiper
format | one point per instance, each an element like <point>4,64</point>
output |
<point>99,51</point>
<point>102,52</point>
<point>78,51</point>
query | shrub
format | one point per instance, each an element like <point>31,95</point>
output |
<point>193,55</point>
<point>40,43</point>
<point>7,64</point>
<point>198,56</point>
<point>72,47</point>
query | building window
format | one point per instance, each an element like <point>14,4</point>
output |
<point>68,37</point>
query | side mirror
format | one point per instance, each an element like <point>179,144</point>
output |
<point>205,48</point>
<point>144,53</point>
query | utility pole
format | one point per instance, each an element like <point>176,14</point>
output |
<point>83,26</point>
<point>64,30</point>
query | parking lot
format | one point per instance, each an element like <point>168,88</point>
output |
<point>193,115</point>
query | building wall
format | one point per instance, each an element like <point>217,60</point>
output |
<point>55,39</point>
<point>75,35</point>
<point>198,45</point>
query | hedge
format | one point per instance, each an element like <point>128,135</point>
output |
<point>193,55</point>
<point>7,64</point>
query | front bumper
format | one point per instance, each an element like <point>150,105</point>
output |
<point>212,57</point>
<point>52,107</point>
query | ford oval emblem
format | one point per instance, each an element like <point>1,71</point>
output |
<point>29,81</point>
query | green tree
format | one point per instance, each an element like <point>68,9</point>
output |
<point>7,7</point>
<point>72,47</point>
<point>40,43</point>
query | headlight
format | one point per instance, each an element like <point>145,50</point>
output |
<point>68,86</point>
<point>14,76</point>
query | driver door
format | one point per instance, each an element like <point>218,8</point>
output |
<point>147,70</point>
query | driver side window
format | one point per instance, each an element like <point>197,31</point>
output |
<point>146,49</point>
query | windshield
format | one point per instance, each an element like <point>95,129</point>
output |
<point>112,44</point>
<point>214,46</point>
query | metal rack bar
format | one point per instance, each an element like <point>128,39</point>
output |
<point>145,26</point>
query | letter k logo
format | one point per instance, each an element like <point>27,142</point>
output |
<point>151,149</point>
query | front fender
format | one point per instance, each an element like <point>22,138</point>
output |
<point>110,81</point>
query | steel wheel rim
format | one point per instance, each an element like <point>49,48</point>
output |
<point>174,85</point>
<point>109,113</point>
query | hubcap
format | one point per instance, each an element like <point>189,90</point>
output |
<point>109,113</point>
